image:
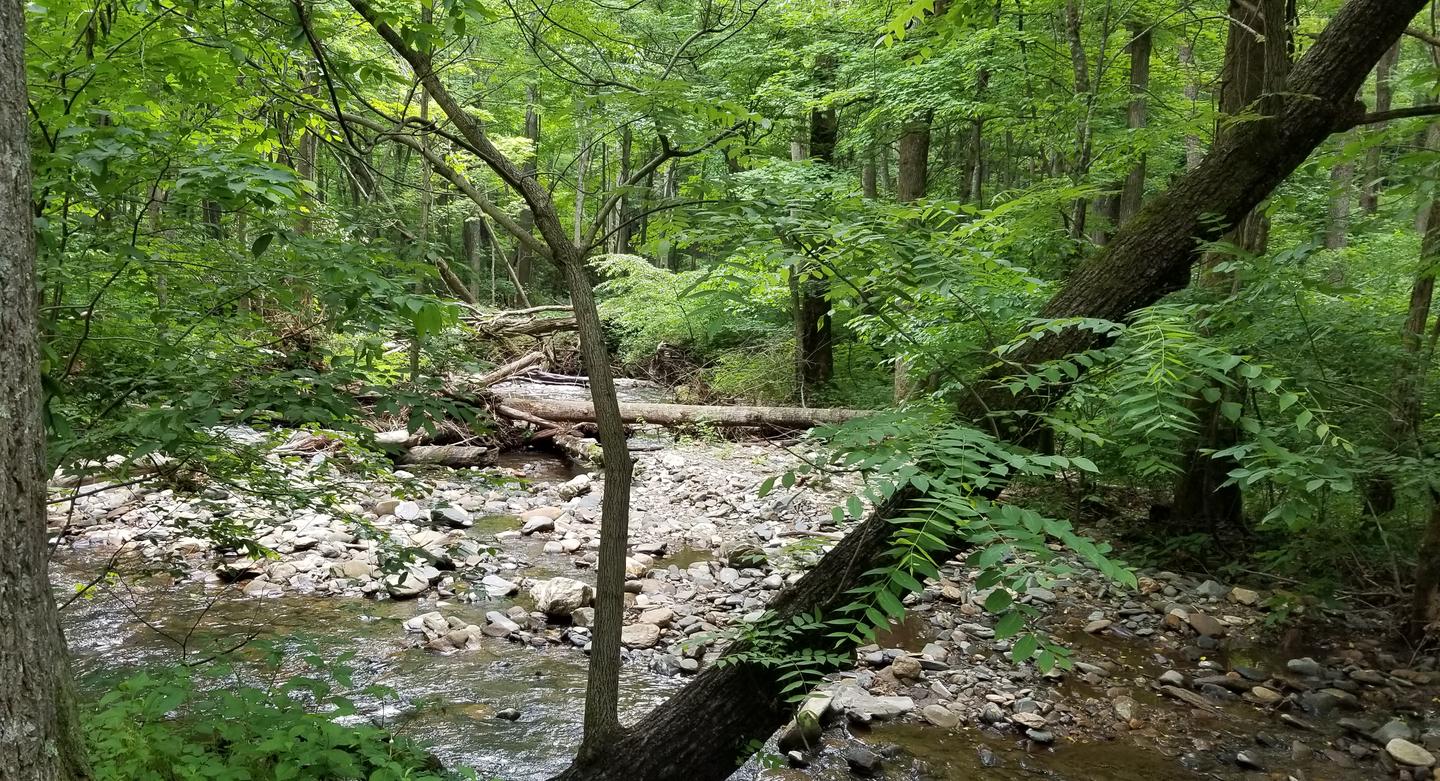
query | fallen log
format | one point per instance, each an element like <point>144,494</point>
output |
<point>510,369</point>
<point>456,456</point>
<point>566,411</point>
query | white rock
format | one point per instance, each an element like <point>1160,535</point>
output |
<point>559,597</point>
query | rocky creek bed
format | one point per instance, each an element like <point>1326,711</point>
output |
<point>466,591</point>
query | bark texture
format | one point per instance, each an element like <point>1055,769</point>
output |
<point>40,737</point>
<point>701,732</point>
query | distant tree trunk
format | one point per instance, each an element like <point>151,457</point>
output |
<point>530,168</point>
<point>1337,223</point>
<point>1384,94</point>
<point>1193,150</point>
<point>1252,79</point>
<point>976,166</point>
<point>911,186</point>
<point>1133,193</point>
<point>1073,29</point>
<point>582,170</point>
<point>914,158</point>
<point>869,184</point>
<point>622,227</point>
<point>1402,427</point>
<point>809,288</point>
<point>475,245</point>
<point>40,737</point>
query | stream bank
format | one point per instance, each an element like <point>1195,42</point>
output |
<point>1175,681</point>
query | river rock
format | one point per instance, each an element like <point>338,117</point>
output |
<point>906,668</point>
<point>1205,625</point>
<point>640,635</point>
<point>497,586</point>
<point>575,486</point>
<point>260,587</point>
<point>852,699</point>
<point>559,597</point>
<point>411,583</point>
<point>354,569</point>
<point>1304,666</point>
<point>863,762</point>
<point>453,517</point>
<point>660,616</point>
<point>432,623</point>
<point>498,624</point>
<point>407,511</point>
<point>386,506</point>
<point>1244,596</point>
<point>940,716</point>
<point>1391,730</point>
<point>1407,753</point>
<point>583,617</point>
<point>537,523</point>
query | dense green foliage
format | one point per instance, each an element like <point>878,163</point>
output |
<point>254,212</point>
<point>164,727</point>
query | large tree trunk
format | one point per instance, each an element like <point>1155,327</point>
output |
<point>1337,222</point>
<point>701,732</point>
<point>40,738</point>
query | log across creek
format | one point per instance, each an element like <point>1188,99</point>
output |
<point>571,411</point>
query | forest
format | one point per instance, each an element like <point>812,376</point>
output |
<point>685,390</point>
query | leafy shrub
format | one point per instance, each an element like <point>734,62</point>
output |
<point>159,727</point>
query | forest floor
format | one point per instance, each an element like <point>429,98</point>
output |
<point>1183,678</point>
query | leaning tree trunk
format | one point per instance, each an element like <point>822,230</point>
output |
<point>40,737</point>
<point>701,732</point>
<point>1425,604</point>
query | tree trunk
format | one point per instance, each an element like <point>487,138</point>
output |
<point>1337,223</point>
<point>869,185</point>
<point>1073,30</point>
<point>40,738</point>
<point>1252,79</point>
<point>621,231</point>
<point>809,288</point>
<point>1402,428</point>
<point>1384,94</point>
<point>454,456</point>
<point>914,159</point>
<point>1133,194</point>
<point>1425,604</point>
<point>1193,152</point>
<point>530,168</point>
<point>702,732</point>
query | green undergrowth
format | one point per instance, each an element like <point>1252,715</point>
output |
<point>181,725</point>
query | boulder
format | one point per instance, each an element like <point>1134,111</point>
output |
<point>941,716</point>
<point>560,597</point>
<point>407,511</point>
<point>537,523</point>
<point>640,635</point>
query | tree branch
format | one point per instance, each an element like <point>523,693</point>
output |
<point>1377,117</point>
